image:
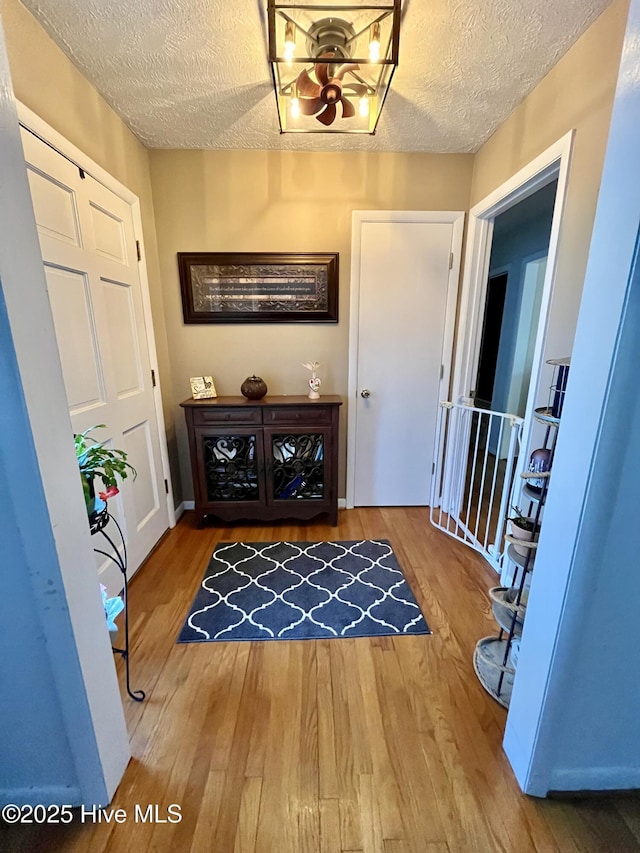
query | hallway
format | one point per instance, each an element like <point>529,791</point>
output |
<point>382,745</point>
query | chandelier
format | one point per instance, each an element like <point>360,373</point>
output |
<point>332,64</point>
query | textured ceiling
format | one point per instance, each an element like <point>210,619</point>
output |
<point>194,73</point>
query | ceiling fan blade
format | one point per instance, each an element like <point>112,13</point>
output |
<point>348,110</point>
<point>306,87</point>
<point>342,70</point>
<point>328,116</point>
<point>321,73</point>
<point>310,106</point>
<point>357,88</point>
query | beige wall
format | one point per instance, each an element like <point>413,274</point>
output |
<point>274,201</point>
<point>577,93</point>
<point>287,201</point>
<point>50,85</point>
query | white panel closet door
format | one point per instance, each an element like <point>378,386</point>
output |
<point>89,252</point>
<point>404,289</point>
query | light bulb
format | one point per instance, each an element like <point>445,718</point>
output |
<point>289,42</point>
<point>295,103</point>
<point>374,43</point>
<point>364,106</point>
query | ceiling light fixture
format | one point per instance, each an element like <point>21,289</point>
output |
<point>327,58</point>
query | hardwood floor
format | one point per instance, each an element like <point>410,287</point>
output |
<point>385,745</point>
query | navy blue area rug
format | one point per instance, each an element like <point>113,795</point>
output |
<point>302,591</point>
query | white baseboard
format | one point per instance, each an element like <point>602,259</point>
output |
<point>179,510</point>
<point>47,795</point>
<point>188,505</point>
<point>342,503</point>
<point>571,780</point>
<point>595,779</point>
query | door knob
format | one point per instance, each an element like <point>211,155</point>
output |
<point>365,393</point>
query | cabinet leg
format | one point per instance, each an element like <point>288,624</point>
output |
<point>333,516</point>
<point>199,519</point>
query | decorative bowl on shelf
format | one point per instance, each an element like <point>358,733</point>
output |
<point>253,388</point>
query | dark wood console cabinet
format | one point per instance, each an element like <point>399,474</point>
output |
<point>264,459</point>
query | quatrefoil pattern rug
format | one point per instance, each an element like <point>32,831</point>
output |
<point>302,590</point>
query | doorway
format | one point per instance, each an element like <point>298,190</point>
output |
<point>509,273</point>
<point>405,267</point>
<point>517,265</point>
<point>489,347</point>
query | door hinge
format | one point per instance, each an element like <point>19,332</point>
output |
<point>138,250</point>
<point>166,487</point>
<point>433,468</point>
<point>442,371</point>
<point>451,261</point>
<point>153,378</point>
<point>82,174</point>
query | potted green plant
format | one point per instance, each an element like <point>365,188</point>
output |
<point>96,460</point>
<point>522,527</point>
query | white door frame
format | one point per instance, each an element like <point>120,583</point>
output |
<point>65,591</point>
<point>32,122</point>
<point>360,217</point>
<point>552,163</point>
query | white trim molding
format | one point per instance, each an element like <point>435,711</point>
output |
<point>571,722</point>
<point>65,595</point>
<point>552,163</point>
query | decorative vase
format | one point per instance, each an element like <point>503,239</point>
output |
<point>539,463</point>
<point>314,385</point>
<point>253,388</point>
<point>315,382</point>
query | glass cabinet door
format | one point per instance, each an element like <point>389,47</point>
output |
<point>296,464</point>
<point>231,464</point>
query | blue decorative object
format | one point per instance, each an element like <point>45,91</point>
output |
<point>112,607</point>
<point>302,590</point>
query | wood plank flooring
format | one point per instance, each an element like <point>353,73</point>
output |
<point>383,745</point>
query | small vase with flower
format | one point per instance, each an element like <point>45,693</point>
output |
<point>315,382</point>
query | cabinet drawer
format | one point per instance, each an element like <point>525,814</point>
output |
<point>306,415</point>
<point>227,416</point>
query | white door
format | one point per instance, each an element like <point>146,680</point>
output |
<point>404,284</point>
<point>91,267</point>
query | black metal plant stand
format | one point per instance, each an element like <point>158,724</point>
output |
<point>550,438</point>
<point>492,663</point>
<point>493,658</point>
<point>97,523</point>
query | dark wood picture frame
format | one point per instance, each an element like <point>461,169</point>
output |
<point>251,287</point>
